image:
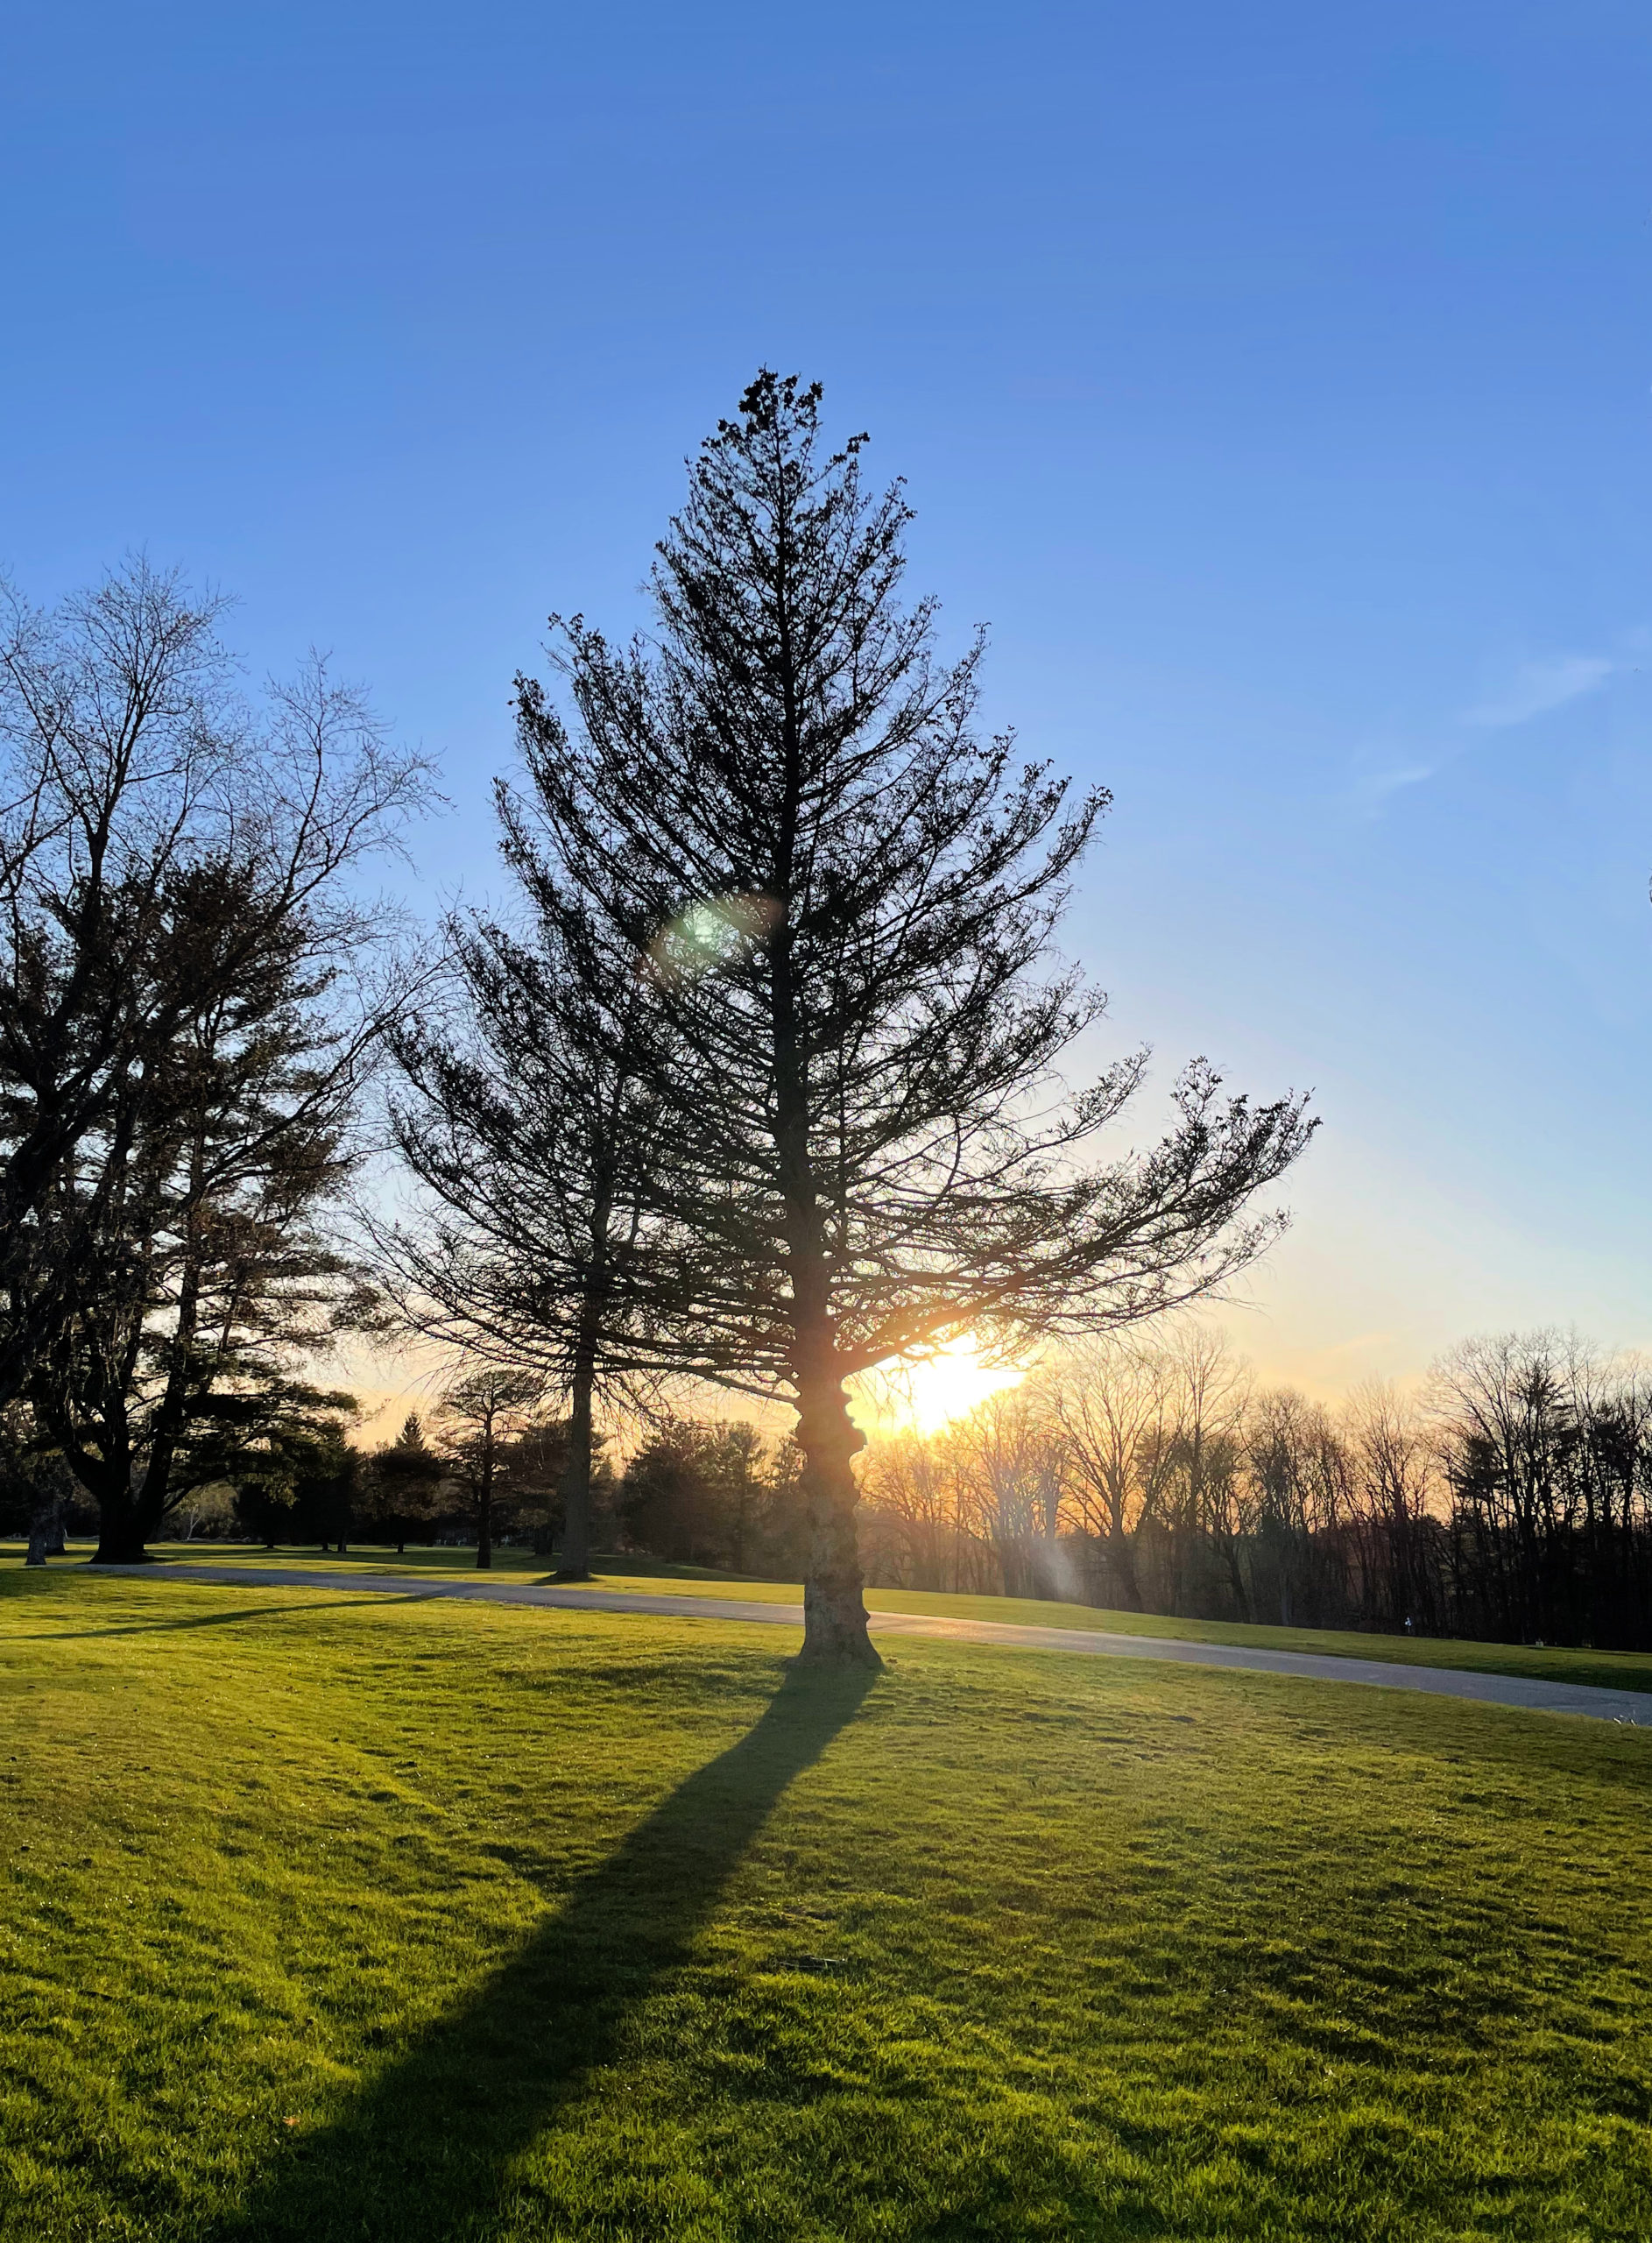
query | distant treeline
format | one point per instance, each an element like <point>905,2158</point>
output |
<point>1509,1499</point>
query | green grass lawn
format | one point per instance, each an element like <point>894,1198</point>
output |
<point>341,1917</point>
<point>1611,1670</point>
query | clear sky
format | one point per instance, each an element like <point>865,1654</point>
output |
<point>1276,381</point>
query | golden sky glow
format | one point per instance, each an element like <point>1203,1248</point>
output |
<point>923,1397</point>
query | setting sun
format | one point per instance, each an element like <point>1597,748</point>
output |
<point>923,1397</point>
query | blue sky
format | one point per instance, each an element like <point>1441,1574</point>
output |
<point>1276,382</point>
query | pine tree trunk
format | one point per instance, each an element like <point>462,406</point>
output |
<point>834,1630</point>
<point>577,1476</point>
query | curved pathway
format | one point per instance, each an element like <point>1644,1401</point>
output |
<point>1630,1707</point>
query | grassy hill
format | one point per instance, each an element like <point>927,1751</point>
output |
<point>333,1917</point>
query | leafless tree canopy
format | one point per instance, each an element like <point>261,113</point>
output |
<point>1510,1498</point>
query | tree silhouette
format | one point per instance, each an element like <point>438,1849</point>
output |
<point>526,1117</point>
<point>848,900</point>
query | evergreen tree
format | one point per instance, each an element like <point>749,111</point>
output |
<point>848,900</point>
<point>527,1119</point>
<point>404,1483</point>
<point>206,1270</point>
<point>134,783</point>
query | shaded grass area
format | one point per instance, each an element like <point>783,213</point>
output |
<point>1611,1670</point>
<point>392,1919</point>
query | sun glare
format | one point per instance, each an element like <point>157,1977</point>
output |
<point>923,1397</point>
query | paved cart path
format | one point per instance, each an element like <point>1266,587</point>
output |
<point>1630,1706</point>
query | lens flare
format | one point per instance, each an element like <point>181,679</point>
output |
<point>710,937</point>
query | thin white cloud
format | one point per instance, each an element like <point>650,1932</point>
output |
<point>1538,687</point>
<point>1534,689</point>
<point>1373,788</point>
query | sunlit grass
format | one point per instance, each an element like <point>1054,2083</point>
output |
<point>358,1917</point>
<point>1550,1663</point>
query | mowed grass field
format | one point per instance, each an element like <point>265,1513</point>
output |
<point>1611,1670</point>
<point>332,1916</point>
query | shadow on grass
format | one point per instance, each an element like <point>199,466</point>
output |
<point>422,2155</point>
<point>214,1619</point>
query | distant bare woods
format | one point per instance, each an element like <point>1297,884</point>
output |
<point>1509,1498</point>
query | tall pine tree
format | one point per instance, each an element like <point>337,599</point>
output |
<point>847,900</point>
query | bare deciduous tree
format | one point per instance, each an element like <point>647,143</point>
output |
<point>1511,1499</point>
<point>482,1416</point>
<point>1112,1397</point>
<point>1393,1462</point>
<point>1007,1454</point>
<point>910,1483</point>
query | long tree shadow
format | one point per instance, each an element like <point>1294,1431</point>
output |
<point>209,1619</point>
<point>421,2153</point>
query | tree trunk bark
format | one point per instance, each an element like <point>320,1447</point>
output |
<point>834,1630</point>
<point>121,1537</point>
<point>42,1534</point>
<point>128,1512</point>
<point>484,1531</point>
<point>576,1474</point>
